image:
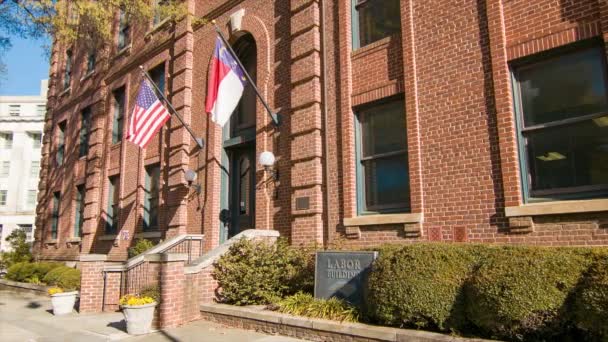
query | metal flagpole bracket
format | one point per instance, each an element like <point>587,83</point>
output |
<point>276,118</point>
<point>199,141</point>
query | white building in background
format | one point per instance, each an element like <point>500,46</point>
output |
<point>21,127</point>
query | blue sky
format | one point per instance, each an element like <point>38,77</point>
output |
<point>27,64</point>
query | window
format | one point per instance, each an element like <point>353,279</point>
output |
<point>152,190</point>
<point>158,77</point>
<point>14,110</point>
<point>119,110</point>
<point>382,165</point>
<point>55,214</point>
<point>3,196</point>
<point>91,61</point>
<point>158,13</point>
<point>562,106</point>
<point>374,20</point>
<point>36,138</point>
<point>40,110</point>
<point>79,219</point>
<point>60,143</point>
<point>67,77</point>
<point>85,121</point>
<point>113,195</point>
<point>35,169</point>
<point>31,198</point>
<point>6,169</point>
<point>6,140</point>
<point>123,29</point>
<point>27,229</point>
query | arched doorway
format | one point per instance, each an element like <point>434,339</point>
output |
<point>239,151</point>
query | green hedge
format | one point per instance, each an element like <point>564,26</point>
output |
<point>420,286</point>
<point>506,292</point>
<point>590,309</point>
<point>65,277</point>
<point>30,272</point>
<point>257,272</point>
<point>521,292</point>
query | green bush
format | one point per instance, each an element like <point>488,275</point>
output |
<point>520,293</point>
<point>141,245</point>
<point>152,291</point>
<point>65,277</point>
<point>303,304</point>
<point>590,307</point>
<point>30,272</point>
<point>257,272</point>
<point>421,285</point>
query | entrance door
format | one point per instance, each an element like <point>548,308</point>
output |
<point>242,189</point>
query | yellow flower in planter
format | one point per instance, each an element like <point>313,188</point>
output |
<point>133,300</point>
<point>55,290</point>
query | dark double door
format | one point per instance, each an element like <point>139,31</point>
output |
<point>241,189</point>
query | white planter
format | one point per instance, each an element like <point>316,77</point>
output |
<point>139,318</point>
<point>63,303</point>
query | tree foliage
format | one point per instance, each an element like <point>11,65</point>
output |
<point>20,249</point>
<point>86,21</point>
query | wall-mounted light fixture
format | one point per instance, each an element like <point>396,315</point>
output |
<point>267,160</point>
<point>191,178</point>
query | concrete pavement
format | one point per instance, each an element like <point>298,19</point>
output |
<point>28,317</point>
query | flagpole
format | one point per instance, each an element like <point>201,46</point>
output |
<point>199,141</point>
<point>274,116</point>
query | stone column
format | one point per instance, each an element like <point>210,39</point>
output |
<point>91,282</point>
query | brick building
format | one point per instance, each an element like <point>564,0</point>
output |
<point>402,121</point>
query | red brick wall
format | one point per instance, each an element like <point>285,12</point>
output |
<point>450,63</point>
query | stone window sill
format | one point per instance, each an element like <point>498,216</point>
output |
<point>74,240</point>
<point>87,76</point>
<point>561,207</point>
<point>65,91</point>
<point>124,51</point>
<point>109,237</point>
<point>372,220</point>
<point>162,24</point>
<point>148,235</point>
<point>51,242</point>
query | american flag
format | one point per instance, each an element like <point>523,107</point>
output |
<point>148,116</point>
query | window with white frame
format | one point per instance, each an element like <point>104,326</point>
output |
<point>35,169</point>
<point>14,110</point>
<point>31,198</point>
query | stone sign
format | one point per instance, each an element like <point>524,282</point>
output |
<point>342,275</point>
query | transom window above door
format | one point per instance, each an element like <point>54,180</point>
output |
<point>562,107</point>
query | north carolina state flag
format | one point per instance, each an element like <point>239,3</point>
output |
<point>225,85</point>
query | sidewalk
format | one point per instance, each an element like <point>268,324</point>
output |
<point>27,317</point>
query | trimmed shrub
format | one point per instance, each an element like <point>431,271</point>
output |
<point>257,272</point>
<point>141,245</point>
<point>304,304</point>
<point>65,277</point>
<point>590,307</point>
<point>30,272</point>
<point>520,293</point>
<point>421,285</point>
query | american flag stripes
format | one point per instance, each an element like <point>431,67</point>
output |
<point>148,116</point>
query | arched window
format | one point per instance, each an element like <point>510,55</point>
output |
<point>245,114</point>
